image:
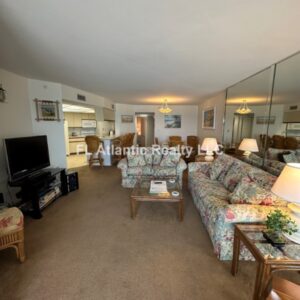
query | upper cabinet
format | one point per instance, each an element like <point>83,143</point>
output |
<point>108,114</point>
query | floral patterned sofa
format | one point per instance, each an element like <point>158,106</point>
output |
<point>229,191</point>
<point>152,162</point>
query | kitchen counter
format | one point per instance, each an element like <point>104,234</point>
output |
<point>108,137</point>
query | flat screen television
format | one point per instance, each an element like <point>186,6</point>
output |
<point>26,155</point>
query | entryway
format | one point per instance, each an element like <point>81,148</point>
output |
<point>145,129</point>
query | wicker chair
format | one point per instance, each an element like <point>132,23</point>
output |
<point>175,141</point>
<point>192,141</point>
<point>12,231</point>
<point>93,143</point>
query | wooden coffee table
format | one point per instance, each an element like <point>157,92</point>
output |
<point>141,193</point>
<point>269,258</point>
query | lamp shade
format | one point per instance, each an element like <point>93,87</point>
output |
<point>287,185</point>
<point>209,144</point>
<point>249,145</point>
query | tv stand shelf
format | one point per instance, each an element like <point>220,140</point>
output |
<point>41,189</point>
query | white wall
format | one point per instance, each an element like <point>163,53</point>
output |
<point>259,110</point>
<point>189,120</point>
<point>70,93</point>
<point>217,101</point>
<point>54,130</point>
<point>15,116</point>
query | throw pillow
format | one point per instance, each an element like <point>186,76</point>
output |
<point>280,155</point>
<point>249,192</point>
<point>170,159</point>
<point>135,159</point>
<point>290,158</point>
<point>148,156</point>
<point>220,165</point>
<point>233,176</point>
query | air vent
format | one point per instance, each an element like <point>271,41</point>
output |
<point>293,107</point>
<point>81,97</point>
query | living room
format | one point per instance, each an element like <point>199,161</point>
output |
<point>189,201</point>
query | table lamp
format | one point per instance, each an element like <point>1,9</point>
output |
<point>287,186</point>
<point>209,145</point>
<point>248,145</point>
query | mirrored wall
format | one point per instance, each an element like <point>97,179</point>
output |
<point>264,111</point>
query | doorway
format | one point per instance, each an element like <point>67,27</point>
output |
<point>242,127</point>
<point>79,121</point>
<point>145,129</point>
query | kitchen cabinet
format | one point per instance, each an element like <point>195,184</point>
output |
<point>109,114</point>
<point>76,143</point>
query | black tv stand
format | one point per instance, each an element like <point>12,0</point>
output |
<point>40,189</point>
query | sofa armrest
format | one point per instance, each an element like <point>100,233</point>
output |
<point>248,213</point>
<point>122,164</point>
<point>181,166</point>
<point>201,166</point>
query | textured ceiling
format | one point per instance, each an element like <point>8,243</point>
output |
<point>140,51</point>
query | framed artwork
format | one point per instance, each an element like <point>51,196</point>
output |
<point>265,120</point>
<point>209,118</point>
<point>47,110</point>
<point>172,121</point>
<point>126,118</point>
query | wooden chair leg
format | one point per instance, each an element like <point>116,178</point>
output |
<point>21,251</point>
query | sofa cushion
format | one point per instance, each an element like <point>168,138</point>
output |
<point>135,159</point>
<point>170,159</point>
<point>148,156</point>
<point>11,219</point>
<point>290,158</point>
<point>207,188</point>
<point>220,166</point>
<point>156,156</point>
<point>164,171</point>
<point>233,176</point>
<point>137,171</point>
<point>249,192</point>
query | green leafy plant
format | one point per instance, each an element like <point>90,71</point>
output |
<point>278,223</point>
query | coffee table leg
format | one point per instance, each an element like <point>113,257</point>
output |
<point>236,254</point>
<point>180,210</point>
<point>133,207</point>
<point>262,276</point>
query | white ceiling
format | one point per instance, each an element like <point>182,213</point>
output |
<point>140,51</point>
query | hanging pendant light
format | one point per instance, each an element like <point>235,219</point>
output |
<point>244,109</point>
<point>165,109</point>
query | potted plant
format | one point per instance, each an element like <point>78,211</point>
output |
<point>277,224</point>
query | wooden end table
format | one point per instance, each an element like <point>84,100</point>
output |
<point>268,257</point>
<point>141,193</point>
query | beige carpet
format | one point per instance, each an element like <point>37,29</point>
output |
<point>87,247</point>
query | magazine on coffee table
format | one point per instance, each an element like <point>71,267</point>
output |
<point>158,186</point>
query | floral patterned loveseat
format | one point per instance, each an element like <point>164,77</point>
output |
<point>212,199</point>
<point>151,162</point>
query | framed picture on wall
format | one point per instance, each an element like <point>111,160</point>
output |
<point>172,121</point>
<point>47,110</point>
<point>209,118</point>
<point>127,118</point>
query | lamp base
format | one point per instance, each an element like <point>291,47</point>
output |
<point>209,156</point>
<point>295,216</point>
<point>247,153</point>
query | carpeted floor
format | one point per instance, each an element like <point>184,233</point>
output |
<point>87,247</point>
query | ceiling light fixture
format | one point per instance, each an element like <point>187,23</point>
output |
<point>244,109</point>
<point>165,109</point>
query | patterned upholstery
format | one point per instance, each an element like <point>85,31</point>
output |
<point>130,175</point>
<point>217,214</point>
<point>10,219</point>
<point>12,231</point>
